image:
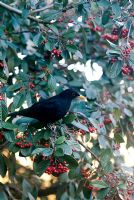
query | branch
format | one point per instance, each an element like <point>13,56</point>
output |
<point>89,150</point>
<point>19,12</point>
<point>42,9</point>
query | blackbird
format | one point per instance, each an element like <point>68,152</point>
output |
<point>51,109</point>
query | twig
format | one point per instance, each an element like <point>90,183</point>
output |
<point>42,9</point>
<point>89,150</point>
<point>4,144</point>
<point>19,12</point>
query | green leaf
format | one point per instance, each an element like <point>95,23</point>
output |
<point>49,46</point>
<point>14,87</point>
<point>98,184</point>
<point>19,99</point>
<point>65,2</point>
<point>59,152</point>
<point>91,92</point>
<point>104,3</point>
<point>26,152</point>
<point>118,138</point>
<point>66,148</point>
<point>80,126</point>
<point>69,118</point>
<point>60,140</point>
<point>87,193</point>
<point>26,187</point>
<point>105,156</point>
<point>102,193</point>
<point>114,70</point>
<point>53,28</point>
<point>116,9</point>
<point>106,17</point>
<point>71,161</point>
<point>36,39</point>
<point>69,34</point>
<point>71,48</point>
<point>3,196</point>
<point>44,151</point>
<point>3,167</point>
<point>3,110</point>
<point>9,126</point>
<point>128,112</point>
<point>40,167</point>
<point>51,83</point>
<point>9,135</point>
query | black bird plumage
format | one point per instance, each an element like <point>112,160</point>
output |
<point>51,109</point>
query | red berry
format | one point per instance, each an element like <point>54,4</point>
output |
<point>124,32</point>
<point>107,121</point>
<point>127,70</point>
<point>31,85</point>
<point>99,28</point>
<point>1,97</point>
<point>70,21</point>
<point>59,20</point>
<point>1,136</point>
<point>1,64</point>
<point>113,60</point>
<point>115,31</point>
<point>92,129</point>
<point>131,44</point>
<point>81,131</point>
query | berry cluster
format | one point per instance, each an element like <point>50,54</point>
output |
<point>124,32</point>
<point>56,168</point>
<point>126,52</point>
<point>112,38</point>
<point>91,27</point>
<point>130,190</point>
<point>127,70</point>
<point>23,144</point>
<point>112,180</point>
<point>56,52</point>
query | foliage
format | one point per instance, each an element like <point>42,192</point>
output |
<point>50,38</point>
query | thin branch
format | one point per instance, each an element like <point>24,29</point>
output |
<point>19,12</point>
<point>42,9</point>
<point>4,145</point>
<point>89,150</point>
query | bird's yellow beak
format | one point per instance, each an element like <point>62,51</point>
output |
<point>81,97</point>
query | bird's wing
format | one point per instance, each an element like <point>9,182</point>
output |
<point>43,111</point>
